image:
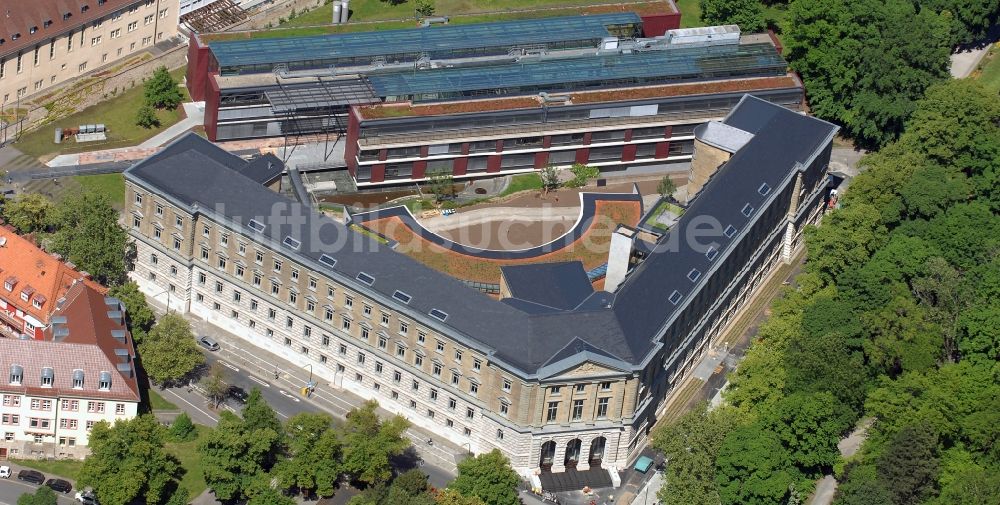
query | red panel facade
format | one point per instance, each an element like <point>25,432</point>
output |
<point>583,155</point>
<point>628,152</point>
<point>353,134</point>
<point>654,25</point>
<point>197,69</point>
<point>662,148</point>
<point>541,159</point>
<point>493,162</point>
<point>378,173</point>
<point>419,169</point>
<point>461,166</point>
<point>212,110</point>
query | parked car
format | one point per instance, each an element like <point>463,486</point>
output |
<point>32,476</point>
<point>4,472</point>
<point>59,485</point>
<point>86,497</point>
<point>208,343</point>
<point>239,394</point>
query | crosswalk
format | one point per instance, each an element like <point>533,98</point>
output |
<point>18,165</point>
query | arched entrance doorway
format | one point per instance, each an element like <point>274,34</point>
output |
<point>597,451</point>
<point>548,454</point>
<point>573,452</point>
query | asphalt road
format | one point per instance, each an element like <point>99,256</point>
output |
<point>247,369</point>
<point>11,489</point>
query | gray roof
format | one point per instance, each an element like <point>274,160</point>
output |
<point>193,172</point>
<point>725,137</point>
<point>263,169</point>
<point>555,286</point>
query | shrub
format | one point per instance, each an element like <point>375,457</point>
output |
<point>146,117</point>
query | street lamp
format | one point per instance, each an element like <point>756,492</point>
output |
<point>167,291</point>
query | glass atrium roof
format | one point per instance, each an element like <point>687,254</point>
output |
<point>590,29</point>
<point>587,72</point>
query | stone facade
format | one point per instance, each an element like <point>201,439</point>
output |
<point>36,70</point>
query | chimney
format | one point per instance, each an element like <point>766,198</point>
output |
<point>619,257</point>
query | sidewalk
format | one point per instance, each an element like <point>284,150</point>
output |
<point>443,454</point>
<point>195,112</point>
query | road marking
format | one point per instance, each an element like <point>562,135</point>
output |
<point>227,407</point>
<point>258,381</point>
<point>229,366</point>
<point>285,393</point>
<point>280,414</point>
<point>179,397</point>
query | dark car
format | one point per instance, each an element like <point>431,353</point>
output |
<point>239,394</point>
<point>59,485</point>
<point>208,343</point>
<point>32,476</point>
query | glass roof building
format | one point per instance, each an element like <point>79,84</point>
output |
<point>236,57</point>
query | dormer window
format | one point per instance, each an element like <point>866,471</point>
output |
<point>36,303</point>
<point>16,375</point>
<point>67,16</point>
<point>33,29</point>
<point>85,8</point>
<point>104,382</point>
<point>15,36</point>
<point>77,379</point>
<point>47,23</point>
<point>48,377</point>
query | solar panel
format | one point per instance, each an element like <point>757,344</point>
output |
<point>256,226</point>
<point>747,210</point>
<point>711,253</point>
<point>729,231</point>
<point>365,278</point>
<point>764,189</point>
<point>694,274</point>
<point>401,296</point>
<point>439,314</point>
<point>327,260</point>
<point>291,243</point>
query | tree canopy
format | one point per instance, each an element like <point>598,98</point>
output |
<point>29,212</point>
<point>169,352</point>
<point>88,234</point>
<point>139,316</point>
<point>748,14</point>
<point>127,462</point>
<point>488,477</point>
<point>370,442</point>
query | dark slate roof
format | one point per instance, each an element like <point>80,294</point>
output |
<point>557,286</point>
<point>263,169</point>
<point>194,172</point>
<point>782,138</point>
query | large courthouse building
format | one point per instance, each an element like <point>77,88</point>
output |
<point>44,43</point>
<point>554,388</point>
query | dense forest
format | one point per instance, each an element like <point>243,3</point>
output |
<point>894,325</point>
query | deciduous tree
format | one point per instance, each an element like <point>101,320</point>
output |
<point>234,456</point>
<point>488,477</point>
<point>169,352</point>
<point>313,451</point>
<point>44,495</point>
<point>369,443</point>
<point>127,462</point>
<point>691,445</point>
<point>908,468</point>
<point>161,90</point>
<point>753,468</point>
<point>89,235</point>
<point>29,212</point>
<point>748,14</point>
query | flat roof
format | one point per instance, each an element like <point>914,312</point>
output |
<point>230,53</point>
<point>611,70</point>
<point>327,93</point>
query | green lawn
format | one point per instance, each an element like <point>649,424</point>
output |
<point>374,10</point>
<point>690,13</point>
<point>522,182</point>
<point>158,402</point>
<point>118,113</point>
<point>68,468</point>
<point>186,452</point>
<point>112,185</point>
<point>989,70</point>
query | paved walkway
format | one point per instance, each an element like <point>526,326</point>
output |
<point>195,112</point>
<point>826,488</point>
<point>964,62</point>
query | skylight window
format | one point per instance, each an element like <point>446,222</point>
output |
<point>675,297</point>
<point>729,231</point>
<point>256,226</point>
<point>747,210</point>
<point>711,253</point>
<point>764,189</point>
<point>401,296</point>
<point>365,278</point>
<point>291,243</point>
<point>694,274</point>
<point>327,260</point>
<point>439,314</point>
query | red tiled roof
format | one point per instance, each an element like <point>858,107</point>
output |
<point>88,323</point>
<point>18,17</point>
<point>29,269</point>
<point>84,340</point>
